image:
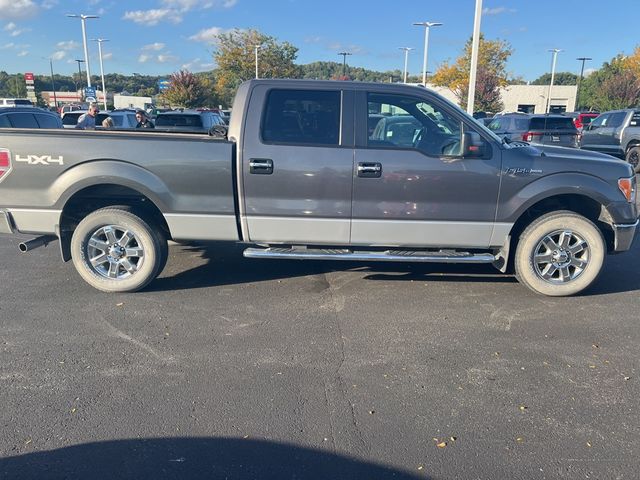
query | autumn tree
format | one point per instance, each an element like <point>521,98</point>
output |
<point>235,57</point>
<point>560,78</point>
<point>491,74</point>
<point>188,90</point>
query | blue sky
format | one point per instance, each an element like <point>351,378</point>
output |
<point>161,36</point>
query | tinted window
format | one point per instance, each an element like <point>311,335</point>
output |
<point>132,120</point>
<point>617,119</point>
<point>23,120</point>
<point>414,123</point>
<point>71,118</point>
<point>599,121</point>
<point>521,124</point>
<point>586,120</point>
<point>302,116</point>
<point>497,125</point>
<point>174,120</point>
<point>552,123</point>
<point>635,120</point>
<point>4,122</point>
<point>48,121</point>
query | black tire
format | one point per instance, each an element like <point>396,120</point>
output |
<point>562,271</point>
<point>633,158</point>
<point>110,267</point>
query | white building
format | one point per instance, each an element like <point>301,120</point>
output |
<point>528,98</point>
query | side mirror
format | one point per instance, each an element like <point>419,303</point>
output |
<point>473,146</point>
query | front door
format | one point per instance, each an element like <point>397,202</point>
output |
<point>412,186</point>
<point>297,161</point>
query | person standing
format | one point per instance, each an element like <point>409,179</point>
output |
<point>88,120</point>
<point>143,120</point>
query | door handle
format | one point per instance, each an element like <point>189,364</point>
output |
<point>261,166</point>
<point>370,170</point>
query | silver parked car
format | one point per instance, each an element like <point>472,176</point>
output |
<point>188,121</point>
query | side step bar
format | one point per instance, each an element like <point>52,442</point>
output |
<point>441,256</point>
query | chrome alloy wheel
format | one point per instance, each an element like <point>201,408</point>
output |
<point>561,256</point>
<point>115,252</point>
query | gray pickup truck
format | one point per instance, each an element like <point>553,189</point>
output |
<point>616,133</point>
<point>304,173</point>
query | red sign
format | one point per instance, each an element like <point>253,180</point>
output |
<point>28,76</point>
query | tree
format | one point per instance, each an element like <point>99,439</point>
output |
<point>560,78</point>
<point>491,75</point>
<point>235,57</point>
<point>615,85</point>
<point>188,91</point>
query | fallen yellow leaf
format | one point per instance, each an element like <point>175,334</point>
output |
<point>441,444</point>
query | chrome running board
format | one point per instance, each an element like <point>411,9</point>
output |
<point>438,256</point>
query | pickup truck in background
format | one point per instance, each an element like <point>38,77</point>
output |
<point>303,174</point>
<point>616,133</point>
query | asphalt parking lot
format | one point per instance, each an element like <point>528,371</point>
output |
<point>227,368</point>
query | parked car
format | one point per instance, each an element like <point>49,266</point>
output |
<point>616,133</point>
<point>28,117</point>
<point>298,178</point>
<point>400,130</point>
<point>540,129</point>
<point>188,121</point>
<point>70,118</point>
<point>581,119</point>
<point>122,118</point>
<point>15,102</point>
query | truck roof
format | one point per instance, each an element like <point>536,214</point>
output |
<point>333,84</point>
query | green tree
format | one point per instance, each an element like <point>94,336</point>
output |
<point>560,78</point>
<point>615,85</point>
<point>491,75</point>
<point>188,90</point>
<point>236,61</point>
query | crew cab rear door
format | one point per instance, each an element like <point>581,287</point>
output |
<point>412,186</point>
<point>297,163</point>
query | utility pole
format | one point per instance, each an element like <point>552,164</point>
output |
<point>344,62</point>
<point>406,60</point>
<point>53,85</point>
<point>474,58</point>
<point>83,19</point>
<point>104,90</point>
<point>554,56</point>
<point>427,26</point>
<point>256,48</point>
<point>582,59</point>
<point>79,77</point>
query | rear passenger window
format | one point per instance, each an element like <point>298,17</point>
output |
<point>302,117</point>
<point>48,121</point>
<point>23,120</point>
<point>617,119</point>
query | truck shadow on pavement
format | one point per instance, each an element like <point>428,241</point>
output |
<point>193,458</point>
<point>225,265</point>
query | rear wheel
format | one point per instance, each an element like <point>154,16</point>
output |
<point>117,250</point>
<point>633,158</point>
<point>559,254</point>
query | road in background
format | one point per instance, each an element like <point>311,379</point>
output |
<point>231,368</point>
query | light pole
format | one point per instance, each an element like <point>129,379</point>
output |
<point>256,48</point>
<point>53,85</point>
<point>582,59</point>
<point>79,77</point>
<point>83,18</point>
<point>475,48</point>
<point>104,90</point>
<point>554,56</point>
<point>427,26</point>
<point>344,62</point>
<point>406,60</point>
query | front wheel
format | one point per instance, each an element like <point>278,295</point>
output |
<point>116,250</point>
<point>633,158</point>
<point>559,254</point>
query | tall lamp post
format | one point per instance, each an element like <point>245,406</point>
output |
<point>79,77</point>
<point>406,60</point>
<point>344,62</point>
<point>554,57</point>
<point>83,19</point>
<point>582,59</point>
<point>427,26</point>
<point>104,90</point>
<point>475,49</point>
<point>256,48</point>
<point>53,85</point>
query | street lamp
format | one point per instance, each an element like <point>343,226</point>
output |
<point>582,59</point>
<point>256,48</point>
<point>475,49</point>
<point>554,56</point>
<point>82,18</point>
<point>53,85</point>
<point>406,60</point>
<point>427,26</point>
<point>344,62</point>
<point>78,87</point>
<point>104,90</point>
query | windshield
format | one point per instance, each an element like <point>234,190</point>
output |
<point>173,120</point>
<point>552,123</point>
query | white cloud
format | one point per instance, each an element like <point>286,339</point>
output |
<point>23,53</point>
<point>49,4</point>
<point>59,55</point>
<point>144,58</point>
<point>187,5</point>
<point>152,17</point>
<point>153,46</point>
<point>209,35</point>
<point>341,47</point>
<point>107,56</point>
<point>13,30</point>
<point>160,58</point>
<point>497,10</point>
<point>196,65</point>
<point>17,8</point>
<point>7,46</point>
<point>166,58</point>
<point>10,26</point>
<point>68,45</point>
